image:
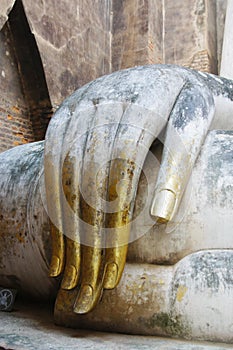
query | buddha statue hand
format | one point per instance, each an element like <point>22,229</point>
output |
<point>95,148</point>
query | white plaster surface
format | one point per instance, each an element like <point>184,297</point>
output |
<point>226,69</point>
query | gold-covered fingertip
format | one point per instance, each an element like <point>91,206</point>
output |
<point>111,274</point>
<point>55,266</point>
<point>70,278</point>
<point>84,301</point>
<point>163,206</point>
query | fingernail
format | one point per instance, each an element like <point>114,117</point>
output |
<point>83,303</point>
<point>163,206</point>
<point>70,278</point>
<point>110,279</point>
<point>55,264</point>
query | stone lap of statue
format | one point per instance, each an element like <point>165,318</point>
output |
<point>96,198</point>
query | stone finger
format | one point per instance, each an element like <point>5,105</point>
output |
<point>71,212</point>
<point>95,172</point>
<point>57,260</point>
<point>187,128</point>
<point>72,268</point>
<point>91,282</point>
<point>52,171</point>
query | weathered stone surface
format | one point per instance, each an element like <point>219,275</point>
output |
<point>30,71</point>
<point>176,32</point>
<point>130,43</point>
<point>5,8</point>
<point>138,33</point>
<point>190,34</point>
<point>169,243</point>
<point>221,6</point>
<point>15,125</point>
<point>74,42</point>
<point>24,253</point>
<point>168,307</point>
<point>144,46</point>
<point>83,40</point>
<point>25,102</point>
<point>30,326</point>
<point>189,300</point>
<point>156,32</point>
<point>150,299</point>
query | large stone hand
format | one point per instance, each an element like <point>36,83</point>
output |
<point>95,148</point>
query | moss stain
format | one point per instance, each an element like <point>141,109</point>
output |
<point>171,325</point>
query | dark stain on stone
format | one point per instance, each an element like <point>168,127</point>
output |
<point>193,103</point>
<point>168,324</point>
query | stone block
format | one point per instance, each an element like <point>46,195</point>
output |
<point>189,34</point>
<point>130,29</point>
<point>73,40</point>
<point>176,32</point>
